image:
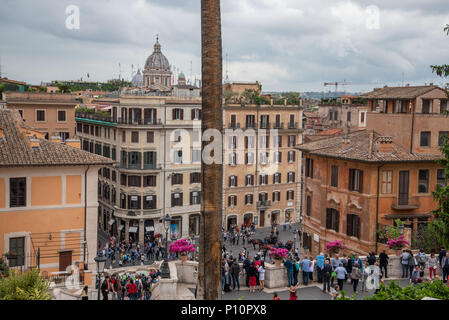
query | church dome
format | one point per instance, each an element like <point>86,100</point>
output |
<point>157,61</point>
<point>137,80</point>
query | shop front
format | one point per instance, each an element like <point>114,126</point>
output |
<point>232,222</point>
<point>176,228</point>
<point>248,219</point>
<point>134,231</point>
<point>194,225</point>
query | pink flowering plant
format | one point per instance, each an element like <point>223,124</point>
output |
<point>182,247</point>
<point>278,253</point>
<point>398,243</point>
<point>334,246</point>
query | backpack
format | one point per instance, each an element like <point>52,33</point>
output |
<point>422,257</point>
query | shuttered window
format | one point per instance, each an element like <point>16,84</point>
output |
<point>332,219</point>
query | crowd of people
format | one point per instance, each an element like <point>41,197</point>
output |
<point>128,286</point>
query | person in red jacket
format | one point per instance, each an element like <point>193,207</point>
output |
<point>132,289</point>
<point>293,295</point>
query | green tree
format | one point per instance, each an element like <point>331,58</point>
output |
<point>436,289</point>
<point>27,286</point>
<point>442,70</point>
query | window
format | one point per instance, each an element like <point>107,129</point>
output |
<point>309,168</point>
<point>330,114</point>
<point>442,137</point>
<point>64,136</point>
<point>277,178</point>
<point>263,196</point>
<point>114,154</point>
<point>149,160</point>
<point>195,197</point>
<point>233,142</point>
<point>249,158</point>
<point>150,137</point>
<point>149,202</point>
<point>249,199</point>
<point>196,114</point>
<point>362,117</point>
<point>232,201</point>
<point>387,177</point>
<point>426,106</point>
<point>276,196</point>
<point>134,160</point>
<point>124,136</point>
<point>290,195</point>
<point>233,159</point>
<point>107,151</point>
<point>114,176</point>
<point>291,156</point>
<point>17,247</point>
<point>177,178</point>
<point>134,202</point>
<point>278,141</point>
<point>334,176</point>
<point>348,116</point>
<point>17,192</point>
<point>263,157</point>
<point>250,121</point>
<point>249,180</point>
<point>178,114</point>
<point>61,116</point>
<point>195,177</point>
<point>177,156</point>
<point>332,219</point>
<point>98,149</point>
<point>291,141</point>
<point>441,177</point>
<point>98,131</point>
<point>291,177</point>
<point>263,179</point>
<point>423,181</point>
<point>443,105</point>
<point>177,136</point>
<point>135,137</point>
<point>123,180</point>
<point>353,225</point>
<point>249,142</point>
<point>233,181</point>
<point>176,200</point>
<point>194,225</point>
<point>149,181</point>
<point>425,139</point>
<point>134,181</point>
<point>40,115</point>
<point>196,155</point>
<point>355,180</point>
<point>308,205</point>
<point>277,157</point>
<point>122,201</point>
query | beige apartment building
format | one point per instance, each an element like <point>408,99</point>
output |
<point>53,114</point>
<point>262,168</point>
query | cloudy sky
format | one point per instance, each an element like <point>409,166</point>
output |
<point>285,44</point>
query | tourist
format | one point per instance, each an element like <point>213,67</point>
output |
<point>293,294</point>
<point>235,271</point>
<point>252,273</point>
<point>275,296</point>
<point>295,271</point>
<point>312,268</point>
<point>85,293</point>
<point>411,262</point>
<point>433,263</point>
<point>105,288</point>
<point>383,262</point>
<point>289,266</point>
<point>445,267</point>
<point>261,271</point>
<point>441,255</point>
<point>327,271</point>
<point>223,275</point>
<point>320,265</point>
<point>335,265</point>
<point>246,265</point>
<point>365,274</point>
<point>371,258</point>
<point>305,267</point>
<point>377,276</point>
<point>356,274</point>
<point>335,292</point>
<point>131,289</point>
<point>416,275</point>
<point>341,275</point>
<point>421,258</point>
<point>405,256</point>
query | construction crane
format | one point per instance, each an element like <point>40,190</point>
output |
<point>336,84</point>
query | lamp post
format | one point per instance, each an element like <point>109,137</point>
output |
<point>165,270</point>
<point>300,237</point>
<point>101,261</point>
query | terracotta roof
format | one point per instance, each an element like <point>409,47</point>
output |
<point>363,146</point>
<point>311,114</point>
<point>409,92</point>
<point>15,149</point>
<point>331,132</point>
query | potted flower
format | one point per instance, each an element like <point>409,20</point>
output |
<point>397,244</point>
<point>334,247</point>
<point>278,254</point>
<point>183,247</point>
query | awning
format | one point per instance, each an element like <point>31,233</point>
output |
<point>408,216</point>
<point>149,229</point>
<point>111,222</point>
<point>133,229</point>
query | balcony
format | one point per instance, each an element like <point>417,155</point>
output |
<point>234,125</point>
<point>139,122</point>
<point>263,204</point>
<point>293,125</point>
<point>252,125</point>
<point>94,117</point>
<point>410,203</point>
<point>278,125</point>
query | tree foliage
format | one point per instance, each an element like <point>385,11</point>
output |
<point>27,286</point>
<point>436,289</point>
<point>442,70</point>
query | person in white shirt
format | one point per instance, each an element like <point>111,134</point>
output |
<point>312,268</point>
<point>262,275</point>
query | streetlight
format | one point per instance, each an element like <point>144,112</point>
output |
<point>165,270</point>
<point>101,261</point>
<point>300,237</point>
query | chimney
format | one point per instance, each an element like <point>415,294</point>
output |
<point>34,143</point>
<point>431,84</point>
<point>407,85</point>
<point>385,144</point>
<point>56,139</point>
<point>74,143</point>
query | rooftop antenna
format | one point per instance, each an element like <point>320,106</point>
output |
<point>191,72</point>
<point>402,78</point>
<point>120,71</point>
<point>227,71</point>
